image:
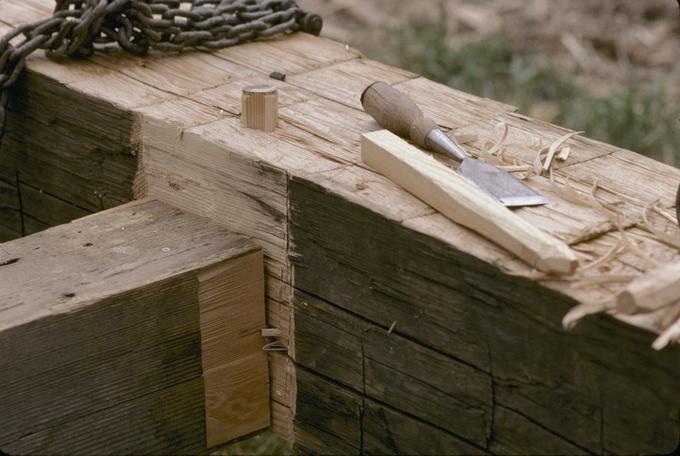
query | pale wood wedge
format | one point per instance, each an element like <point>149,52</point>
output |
<point>259,108</point>
<point>462,202</point>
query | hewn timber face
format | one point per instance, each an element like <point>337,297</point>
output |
<point>476,359</point>
<point>134,330</point>
<point>68,154</point>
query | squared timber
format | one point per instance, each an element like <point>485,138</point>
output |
<point>133,330</point>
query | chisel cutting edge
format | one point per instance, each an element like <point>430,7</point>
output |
<point>398,113</point>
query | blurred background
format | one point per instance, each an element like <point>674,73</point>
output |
<point>608,67</point>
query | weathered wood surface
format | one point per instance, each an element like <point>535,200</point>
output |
<point>372,254</point>
<point>130,331</point>
<point>462,328</point>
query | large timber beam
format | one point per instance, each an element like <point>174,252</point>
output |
<point>134,330</point>
<point>402,331</point>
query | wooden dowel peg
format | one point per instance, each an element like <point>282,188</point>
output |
<point>260,108</point>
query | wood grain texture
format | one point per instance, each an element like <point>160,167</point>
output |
<point>436,294</point>
<point>232,314</point>
<point>90,164</point>
<point>345,82</point>
<point>124,309</point>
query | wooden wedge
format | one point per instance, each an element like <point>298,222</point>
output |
<point>462,202</point>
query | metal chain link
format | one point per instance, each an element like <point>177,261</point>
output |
<point>79,27</point>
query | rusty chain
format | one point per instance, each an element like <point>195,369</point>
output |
<point>78,27</point>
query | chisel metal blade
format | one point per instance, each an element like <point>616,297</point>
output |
<point>499,184</point>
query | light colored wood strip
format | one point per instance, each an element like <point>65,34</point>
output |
<point>121,304</point>
<point>237,399</point>
<point>227,97</point>
<point>232,311</point>
<point>657,288</point>
<point>464,203</point>
<point>345,82</point>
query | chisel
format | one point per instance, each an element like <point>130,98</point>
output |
<point>396,112</point>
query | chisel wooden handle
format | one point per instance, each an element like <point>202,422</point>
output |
<point>396,112</point>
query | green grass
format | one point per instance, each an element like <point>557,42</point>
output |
<point>639,118</point>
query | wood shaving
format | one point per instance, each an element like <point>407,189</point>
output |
<point>670,239</point>
<point>670,335</point>
<point>465,139</point>
<point>515,168</point>
<point>498,145</point>
<point>538,162</point>
<point>554,147</point>
<point>563,155</point>
<point>569,193</point>
<point>577,313</point>
<point>665,215</point>
<point>609,256</point>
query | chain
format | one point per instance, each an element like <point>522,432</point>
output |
<point>79,27</point>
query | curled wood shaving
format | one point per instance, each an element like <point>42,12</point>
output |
<point>487,156</point>
<point>569,193</point>
<point>577,313</point>
<point>499,144</point>
<point>564,154</point>
<point>670,239</point>
<point>553,148</point>
<point>670,335</point>
<point>275,345</point>
<point>611,254</point>
<point>465,139</point>
<point>665,215</point>
<point>515,168</point>
<point>538,162</point>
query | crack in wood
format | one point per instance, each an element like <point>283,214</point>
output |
<point>20,201</point>
<point>547,429</point>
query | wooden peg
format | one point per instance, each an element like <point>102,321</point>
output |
<point>260,108</point>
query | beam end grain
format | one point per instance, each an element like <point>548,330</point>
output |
<point>139,306</point>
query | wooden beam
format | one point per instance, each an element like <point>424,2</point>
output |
<point>458,322</point>
<point>139,306</point>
